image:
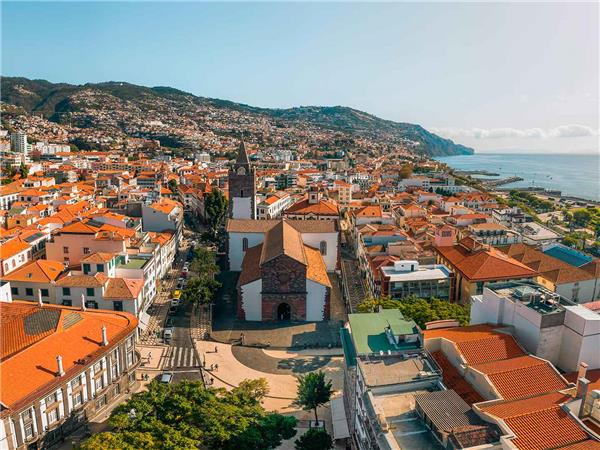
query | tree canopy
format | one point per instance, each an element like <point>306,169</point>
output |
<point>188,416</point>
<point>314,439</point>
<point>419,309</point>
<point>200,290</point>
<point>215,207</point>
<point>313,391</point>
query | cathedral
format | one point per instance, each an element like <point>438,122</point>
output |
<point>284,264</point>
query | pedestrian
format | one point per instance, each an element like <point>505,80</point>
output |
<point>149,356</point>
<point>212,367</point>
<point>212,381</point>
<point>216,349</point>
<point>216,367</point>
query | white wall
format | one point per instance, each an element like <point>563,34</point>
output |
<point>580,339</point>
<point>241,208</point>
<point>585,294</point>
<point>236,254</point>
<point>315,300</point>
<point>252,300</point>
<point>314,240</point>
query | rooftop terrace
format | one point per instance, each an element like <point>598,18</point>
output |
<point>532,295</point>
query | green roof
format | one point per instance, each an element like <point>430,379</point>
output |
<point>368,331</point>
<point>133,263</point>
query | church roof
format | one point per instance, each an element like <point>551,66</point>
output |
<point>283,239</point>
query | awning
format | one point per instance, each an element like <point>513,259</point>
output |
<point>143,320</point>
<point>338,416</point>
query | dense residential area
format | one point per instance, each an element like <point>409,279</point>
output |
<point>247,295</point>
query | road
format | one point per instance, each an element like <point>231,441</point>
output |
<point>179,356</point>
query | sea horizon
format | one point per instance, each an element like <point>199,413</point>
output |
<point>577,177</point>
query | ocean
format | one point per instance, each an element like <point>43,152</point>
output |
<point>575,175</point>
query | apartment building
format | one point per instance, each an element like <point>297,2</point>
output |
<point>49,389</point>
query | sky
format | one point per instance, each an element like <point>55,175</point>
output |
<point>493,76</point>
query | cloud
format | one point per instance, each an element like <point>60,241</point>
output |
<point>563,131</point>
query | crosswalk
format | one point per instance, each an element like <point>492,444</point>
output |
<point>181,357</point>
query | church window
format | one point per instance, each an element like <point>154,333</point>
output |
<point>323,248</point>
<point>241,192</point>
<point>245,244</point>
<point>241,171</point>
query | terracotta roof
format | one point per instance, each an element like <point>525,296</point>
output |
<point>12,248</point>
<point>98,257</point>
<point>544,429</point>
<point>485,264</point>
<point>78,228</point>
<point>316,269</point>
<point>592,375</point>
<point>96,280</point>
<point>512,377</point>
<point>283,239</point>
<point>39,271</point>
<point>369,211</point>
<point>453,380</point>
<point>123,288</point>
<point>512,408</point>
<point>251,265</point>
<point>33,337</point>
<point>479,343</point>
<point>588,444</point>
<point>323,208</point>
<point>550,268</point>
<point>262,226</point>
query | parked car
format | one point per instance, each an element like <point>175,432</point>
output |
<point>173,310</point>
<point>168,322</point>
<point>168,335</point>
<point>166,378</point>
<point>175,302</point>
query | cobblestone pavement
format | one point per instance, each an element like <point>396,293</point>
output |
<point>200,325</point>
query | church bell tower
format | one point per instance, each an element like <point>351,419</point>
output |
<point>242,186</point>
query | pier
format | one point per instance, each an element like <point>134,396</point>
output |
<point>502,181</point>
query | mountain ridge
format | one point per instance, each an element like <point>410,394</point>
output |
<point>91,105</point>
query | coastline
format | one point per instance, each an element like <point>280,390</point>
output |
<point>572,177</point>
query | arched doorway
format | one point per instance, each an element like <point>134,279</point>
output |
<point>284,312</point>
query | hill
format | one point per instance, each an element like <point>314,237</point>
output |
<point>180,119</point>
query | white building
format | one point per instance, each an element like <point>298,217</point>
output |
<point>546,324</point>
<point>273,206</point>
<point>18,143</point>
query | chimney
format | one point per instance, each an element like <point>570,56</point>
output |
<point>61,371</point>
<point>82,302</point>
<point>104,338</point>
<point>582,370</point>
<point>582,390</point>
<point>40,302</point>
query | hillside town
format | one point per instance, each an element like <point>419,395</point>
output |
<point>431,312</point>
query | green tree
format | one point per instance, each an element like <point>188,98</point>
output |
<point>314,439</point>
<point>23,170</point>
<point>313,391</point>
<point>215,208</point>
<point>204,262</point>
<point>582,217</point>
<point>172,184</point>
<point>419,309</point>
<point>188,416</point>
<point>200,290</point>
